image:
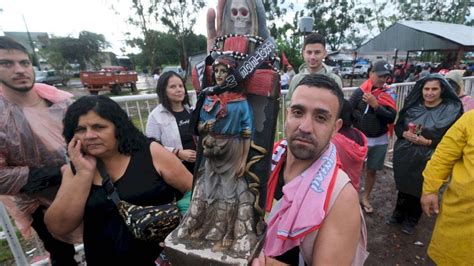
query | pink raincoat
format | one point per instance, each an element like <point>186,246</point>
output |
<point>30,137</point>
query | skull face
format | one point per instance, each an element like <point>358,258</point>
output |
<point>240,16</point>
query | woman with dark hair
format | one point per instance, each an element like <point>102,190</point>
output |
<point>429,110</point>
<point>169,122</point>
<point>143,172</point>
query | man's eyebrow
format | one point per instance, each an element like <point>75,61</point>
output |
<point>322,111</point>
<point>298,106</point>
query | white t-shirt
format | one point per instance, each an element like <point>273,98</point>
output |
<point>284,79</point>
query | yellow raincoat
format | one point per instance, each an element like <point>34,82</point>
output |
<point>452,242</point>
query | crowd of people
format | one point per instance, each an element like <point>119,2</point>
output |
<point>51,148</point>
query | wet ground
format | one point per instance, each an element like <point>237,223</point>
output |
<point>386,243</point>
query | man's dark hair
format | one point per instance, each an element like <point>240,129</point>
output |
<point>7,43</point>
<point>314,38</point>
<point>161,89</point>
<point>325,82</point>
<point>129,138</point>
<point>347,114</point>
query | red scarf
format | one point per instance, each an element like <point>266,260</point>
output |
<point>223,99</point>
<point>383,98</point>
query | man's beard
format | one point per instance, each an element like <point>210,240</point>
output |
<point>22,89</point>
<point>303,152</point>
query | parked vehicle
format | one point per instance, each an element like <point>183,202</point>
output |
<point>346,72</point>
<point>51,77</point>
<point>358,71</point>
<point>361,70</point>
<point>176,69</point>
<point>109,79</point>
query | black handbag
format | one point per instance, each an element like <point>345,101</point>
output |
<point>148,223</point>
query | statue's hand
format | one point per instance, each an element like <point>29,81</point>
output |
<point>212,30</point>
<point>241,170</point>
<point>210,125</point>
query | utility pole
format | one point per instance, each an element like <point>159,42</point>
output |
<point>1,30</point>
<point>462,16</point>
<point>35,57</point>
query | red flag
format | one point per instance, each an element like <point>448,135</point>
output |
<point>284,60</point>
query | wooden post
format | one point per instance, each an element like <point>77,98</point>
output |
<point>395,59</point>
<point>459,55</point>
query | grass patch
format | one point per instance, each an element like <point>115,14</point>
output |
<point>6,256</point>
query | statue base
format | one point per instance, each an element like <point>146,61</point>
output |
<point>179,254</point>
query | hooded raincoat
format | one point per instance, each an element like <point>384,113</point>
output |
<point>30,137</point>
<point>409,159</point>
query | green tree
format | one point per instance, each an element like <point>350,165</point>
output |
<point>179,16</point>
<point>385,14</point>
<point>275,11</point>
<point>85,49</point>
<point>168,50</point>
<point>144,17</point>
<point>337,20</point>
<point>450,11</point>
<point>285,33</point>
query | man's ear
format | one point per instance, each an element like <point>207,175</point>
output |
<point>337,126</point>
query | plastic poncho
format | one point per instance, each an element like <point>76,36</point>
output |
<point>30,137</point>
<point>409,159</point>
<point>452,242</point>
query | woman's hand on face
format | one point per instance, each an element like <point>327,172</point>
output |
<point>187,155</point>
<point>82,162</point>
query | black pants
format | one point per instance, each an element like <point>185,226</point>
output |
<point>60,253</point>
<point>408,208</point>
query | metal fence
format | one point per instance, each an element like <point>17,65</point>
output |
<point>138,107</point>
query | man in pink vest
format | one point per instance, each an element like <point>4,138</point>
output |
<point>316,216</point>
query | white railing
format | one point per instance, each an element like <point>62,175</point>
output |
<point>138,107</point>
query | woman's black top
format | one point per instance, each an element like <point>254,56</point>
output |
<point>107,240</point>
<point>182,119</point>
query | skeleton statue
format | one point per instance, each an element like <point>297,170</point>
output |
<point>240,16</point>
<point>221,193</point>
<point>235,121</point>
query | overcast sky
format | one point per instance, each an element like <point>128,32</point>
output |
<point>69,17</point>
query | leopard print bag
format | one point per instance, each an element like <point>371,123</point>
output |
<point>148,223</point>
